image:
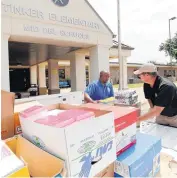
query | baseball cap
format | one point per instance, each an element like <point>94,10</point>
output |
<point>149,67</point>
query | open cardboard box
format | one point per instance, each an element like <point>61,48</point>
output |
<point>75,143</point>
<point>39,162</point>
<point>10,164</point>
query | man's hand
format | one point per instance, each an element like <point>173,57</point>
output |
<point>155,111</point>
<point>95,102</point>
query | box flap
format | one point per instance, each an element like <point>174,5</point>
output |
<point>7,111</point>
<point>119,111</point>
<point>22,106</point>
<point>96,106</point>
<point>62,106</point>
<point>12,143</point>
<point>40,163</point>
<point>122,111</point>
<point>97,112</point>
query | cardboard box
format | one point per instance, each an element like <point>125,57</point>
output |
<point>168,134</point>
<point>141,160</point>
<point>19,108</point>
<point>88,146</point>
<point>96,106</point>
<point>107,172</point>
<point>10,124</point>
<point>125,124</point>
<point>66,98</point>
<point>125,127</point>
<point>7,111</point>
<point>136,105</point>
<point>10,164</point>
<point>39,162</point>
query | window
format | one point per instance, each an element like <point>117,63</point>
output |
<point>165,73</point>
<point>169,73</point>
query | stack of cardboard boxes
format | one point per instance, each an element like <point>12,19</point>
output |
<point>90,140</point>
<point>138,155</point>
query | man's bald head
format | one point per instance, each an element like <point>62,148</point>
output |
<point>104,76</point>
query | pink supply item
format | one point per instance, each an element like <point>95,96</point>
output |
<point>66,118</point>
<point>55,121</point>
<point>34,112</point>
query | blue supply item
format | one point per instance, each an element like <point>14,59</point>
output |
<point>141,160</point>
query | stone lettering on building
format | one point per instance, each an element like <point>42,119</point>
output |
<point>37,14</point>
<point>55,32</point>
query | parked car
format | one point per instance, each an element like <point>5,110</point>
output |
<point>64,84</point>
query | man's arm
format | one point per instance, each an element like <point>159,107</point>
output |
<point>112,91</point>
<point>150,103</point>
<point>88,93</point>
<point>87,98</point>
<point>155,111</point>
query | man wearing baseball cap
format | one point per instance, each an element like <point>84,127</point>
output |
<point>161,95</point>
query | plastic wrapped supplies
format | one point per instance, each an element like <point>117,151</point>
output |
<point>128,97</point>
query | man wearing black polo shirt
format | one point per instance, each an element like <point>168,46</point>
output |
<point>161,95</point>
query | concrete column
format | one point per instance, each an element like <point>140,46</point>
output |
<point>42,79</point>
<point>78,77</point>
<point>125,78</point>
<point>33,74</point>
<point>5,79</point>
<point>53,77</point>
<point>99,60</point>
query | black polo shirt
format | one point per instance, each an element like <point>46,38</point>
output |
<point>164,94</point>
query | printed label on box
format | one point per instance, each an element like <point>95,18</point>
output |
<point>18,130</point>
<point>92,151</point>
<point>87,161</point>
<point>90,143</point>
<point>125,137</point>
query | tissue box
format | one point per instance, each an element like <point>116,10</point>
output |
<point>88,145</point>
<point>141,160</point>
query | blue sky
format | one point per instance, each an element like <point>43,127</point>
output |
<point>144,24</point>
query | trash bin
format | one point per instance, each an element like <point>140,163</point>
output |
<point>131,80</point>
<point>18,95</point>
<point>33,90</point>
